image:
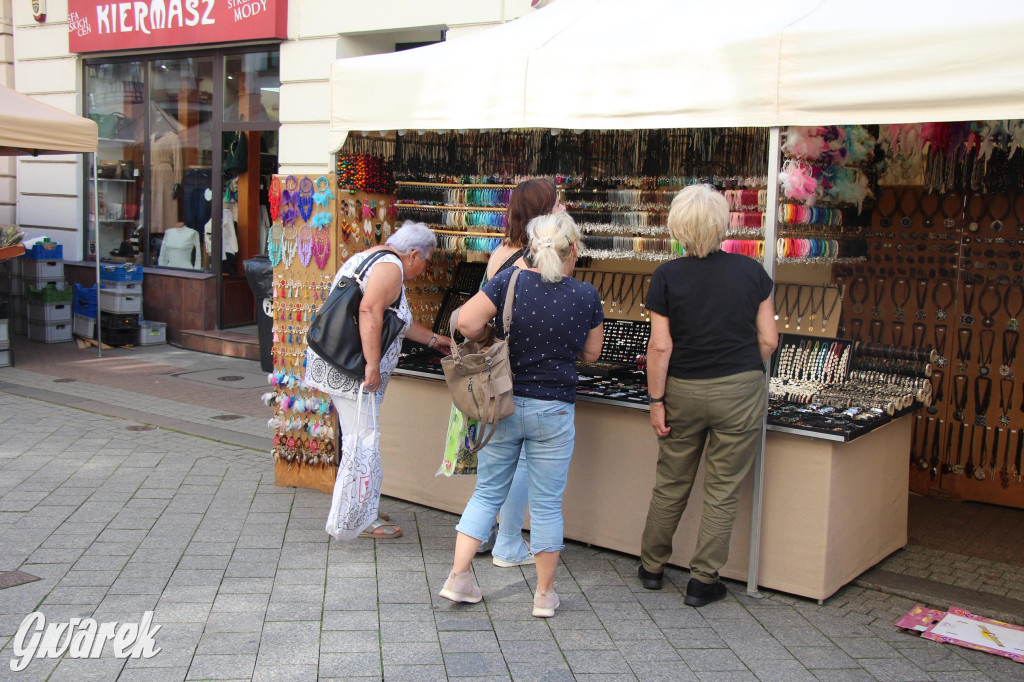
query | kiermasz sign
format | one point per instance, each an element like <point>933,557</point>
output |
<point>102,25</point>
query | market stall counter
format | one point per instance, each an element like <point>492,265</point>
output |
<point>832,509</point>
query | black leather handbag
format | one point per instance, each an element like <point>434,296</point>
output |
<point>334,331</point>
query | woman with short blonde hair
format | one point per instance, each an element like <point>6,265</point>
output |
<point>712,331</point>
<point>697,220</point>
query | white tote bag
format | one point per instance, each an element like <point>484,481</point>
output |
<point>357,488</point>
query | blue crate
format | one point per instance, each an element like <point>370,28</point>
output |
<point>121,272</point>
<point>84,302</point>
<point>46,250</point>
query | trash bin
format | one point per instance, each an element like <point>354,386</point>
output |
<point>260,275</point>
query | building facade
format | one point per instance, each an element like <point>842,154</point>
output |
<point>199,103</point>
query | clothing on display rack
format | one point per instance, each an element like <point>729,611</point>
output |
<point>229,240</point>
<point>180,248</point>
<point>197,196</point>
<point>166,173</point>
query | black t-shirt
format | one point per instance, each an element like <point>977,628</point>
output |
<point>550,325</point>
<point>711,304</point>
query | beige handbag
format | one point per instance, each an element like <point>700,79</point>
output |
<point>480,379</point>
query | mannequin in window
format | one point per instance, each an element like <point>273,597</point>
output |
<point>167,168</point>
<point>180,248</point>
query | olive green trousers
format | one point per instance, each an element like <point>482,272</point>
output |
<point>720,418</point>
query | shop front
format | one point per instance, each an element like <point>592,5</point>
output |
<point>189,125</point>
<point>882,232</point>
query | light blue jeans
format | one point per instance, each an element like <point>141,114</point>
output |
<point>543,432</point>
<point>509,544</point>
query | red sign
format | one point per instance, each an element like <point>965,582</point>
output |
<point>100,25</point>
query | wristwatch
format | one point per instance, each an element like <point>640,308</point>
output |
<point>651,399</point>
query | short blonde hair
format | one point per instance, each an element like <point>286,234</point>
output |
<point>551,240</point>
<point>697,219</point>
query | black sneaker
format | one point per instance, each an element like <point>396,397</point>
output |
<point>650,581</point>
<point>700,594</point>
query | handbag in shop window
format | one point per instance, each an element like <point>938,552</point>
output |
<point>479,378</point>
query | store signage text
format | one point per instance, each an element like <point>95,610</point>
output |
<point>98,25</point>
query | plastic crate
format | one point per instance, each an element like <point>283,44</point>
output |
<point>134,288</point>
<point>119,321</point>
<point>113,302</point>
<point>121,272</point>
<point>57,311</point>
<point>51,332</point>
<point>44,250</point>
<point>47,291</point>
<point>49,270</point>
<point>84,301</point>
<point>84,326</point>
<point>120,337</point>
<point>152,333</point>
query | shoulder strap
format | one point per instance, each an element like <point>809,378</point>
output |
<point>377,255</point>
<point>510,294</point>
<point>367,262</point>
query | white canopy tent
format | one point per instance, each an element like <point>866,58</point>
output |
<point>682,63</point>
<point>30,127</point>
<point>607,64</point>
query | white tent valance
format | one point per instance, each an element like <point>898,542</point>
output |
<point>28,126</point>
<point>682,63</point>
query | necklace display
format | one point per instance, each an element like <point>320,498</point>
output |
<point>966,318</point>
<point>942,300</point>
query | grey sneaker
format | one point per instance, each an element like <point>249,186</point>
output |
<point>501,563</point>
<point>545,603</point>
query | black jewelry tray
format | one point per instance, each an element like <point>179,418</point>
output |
<point>793,340</point>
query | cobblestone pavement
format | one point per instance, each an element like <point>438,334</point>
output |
<point>245,584</point>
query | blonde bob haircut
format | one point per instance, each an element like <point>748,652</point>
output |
<point>551,240</point>
<point>697,220</point>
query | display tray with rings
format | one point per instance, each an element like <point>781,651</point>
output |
<point>827,421</point>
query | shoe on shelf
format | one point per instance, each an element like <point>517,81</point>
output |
<point>545,603</point>
<point>501,563</point>
<point>461,587</point>
<point>650,581</point>
<point>700,594</point>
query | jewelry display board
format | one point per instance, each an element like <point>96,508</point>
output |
<point>944,271</point>
<point>303,245</point>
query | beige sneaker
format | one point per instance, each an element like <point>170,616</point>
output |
<point>461,587</point>
<point>545,603</point>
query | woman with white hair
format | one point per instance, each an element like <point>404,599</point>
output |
<point>712,331</point>
<point>383,285</point>
<point>555,320</point>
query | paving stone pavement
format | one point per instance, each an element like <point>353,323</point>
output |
<point>246,585</point>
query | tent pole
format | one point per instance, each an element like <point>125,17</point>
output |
<point>96,241</point>
<point>771,215</point>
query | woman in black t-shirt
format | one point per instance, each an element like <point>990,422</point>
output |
<point>712,331</point>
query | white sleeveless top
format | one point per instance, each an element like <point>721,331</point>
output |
<point>324,377</point>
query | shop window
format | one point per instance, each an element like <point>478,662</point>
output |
<point>181,154</point>
<point>115,99</point>
<point>252,87</point>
